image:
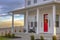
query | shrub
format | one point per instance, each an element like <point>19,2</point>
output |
<point>13,35</point>
<point>6,34</point>
<point>2,34</point>
<point>41,38</point>
<point>32,37</point>
<point>54,38</point>
<point>19,30</point>
<point>9,35</point>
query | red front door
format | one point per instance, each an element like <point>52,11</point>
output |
<point>45,22</point>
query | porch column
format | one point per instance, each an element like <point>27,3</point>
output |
<point>37,20</point>
<point>26,21</point>
<point>54,19</point>
<point>12,22</point>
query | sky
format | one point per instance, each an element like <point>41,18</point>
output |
<point>8,5</point>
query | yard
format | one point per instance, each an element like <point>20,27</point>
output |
<point>3,38</point>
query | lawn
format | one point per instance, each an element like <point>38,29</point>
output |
<point>3,38</point>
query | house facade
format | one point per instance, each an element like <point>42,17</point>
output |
<point>40,16</point>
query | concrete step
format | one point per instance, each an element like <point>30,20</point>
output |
<point>26,36</point>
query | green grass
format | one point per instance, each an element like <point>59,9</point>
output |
<point>3,38</point>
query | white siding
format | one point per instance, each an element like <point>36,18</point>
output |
<point>41,22</point>
<point>48,11</point>
<point>31,16</point>
<point>39,2</point>
<point>58,0</point>
<point>41,28</point>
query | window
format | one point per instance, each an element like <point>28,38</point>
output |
<point>35,1</point>
<point>57,20</point>
<point>31,24</point>
<point>44,0</point>
<point>57,23</point>
<point>29,2</point>
<point>35,24</point>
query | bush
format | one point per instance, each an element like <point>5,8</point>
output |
<point>41,38</point>
<point>32,37</point>
<point>19,30</point>
<point>13,35</point>
<point>6,34</point>
<point>54,38</point>
<point>9,35</point>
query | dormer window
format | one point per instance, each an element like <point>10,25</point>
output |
<point>35,1</point>
<point>29,2</point>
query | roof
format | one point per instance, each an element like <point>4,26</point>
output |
<point>24,8</point>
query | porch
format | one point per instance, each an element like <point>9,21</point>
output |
<point>34,19</point>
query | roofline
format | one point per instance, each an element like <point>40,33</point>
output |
<point>52,2</point>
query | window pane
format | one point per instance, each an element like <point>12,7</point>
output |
<point>29,2</point>
<point>57,20</point>
<point>57,17</point>
<point>35,1</point>
<point>57,23</point>
<point>44,0</point>
<point>31,24</point>
<point>35,24</point>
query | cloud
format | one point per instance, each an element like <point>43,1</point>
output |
<point>12,3</point>
<point>4,9</point>
<point>8,5</point>
<point>9,18</point>
<point>7,24</point>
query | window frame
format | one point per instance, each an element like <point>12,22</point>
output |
<point>35,1</point>
<point>44,0</point>
<point>57,21</point>
<point>31,24</point>
<point>29,2</point>
<point>35,23</point>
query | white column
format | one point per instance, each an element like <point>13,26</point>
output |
<point>12,22</point>
<point>26,21</point>
<point>37,20</point>
<point>54,19</point>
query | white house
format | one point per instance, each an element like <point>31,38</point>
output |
<point>40,16</point>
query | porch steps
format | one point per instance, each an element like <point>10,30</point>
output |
<point>26,36</point>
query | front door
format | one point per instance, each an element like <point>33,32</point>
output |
<point>45,22</point>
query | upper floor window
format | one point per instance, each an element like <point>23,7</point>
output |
<point>44,0</point>
<point>29,2</point>
<point>35,1</point>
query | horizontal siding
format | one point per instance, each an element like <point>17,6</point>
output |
<point>39,2</point>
